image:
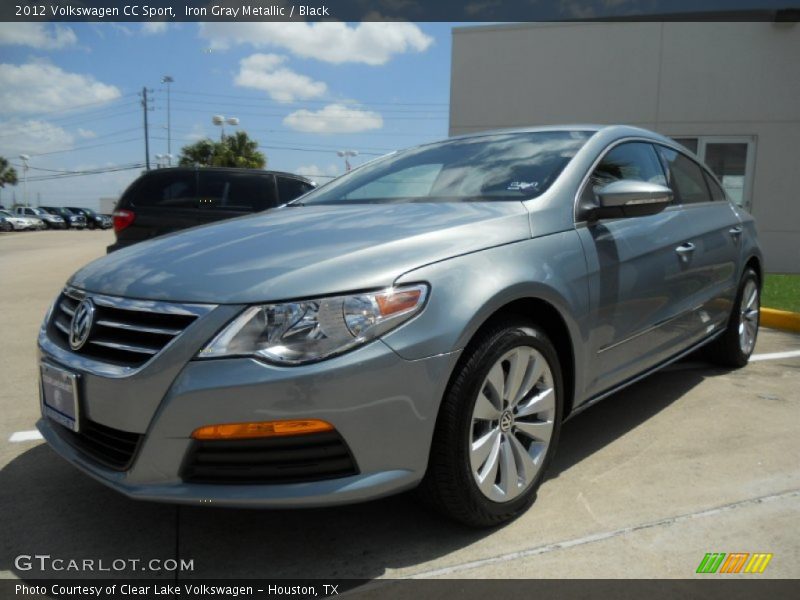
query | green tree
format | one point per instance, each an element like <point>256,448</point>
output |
<point>236,150</point>
<point>8,174</point>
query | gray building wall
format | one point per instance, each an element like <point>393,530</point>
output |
<point>681,79</point>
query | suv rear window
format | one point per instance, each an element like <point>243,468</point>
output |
<point>169,189</point>
<point>246,192</point>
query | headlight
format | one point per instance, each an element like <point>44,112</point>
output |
<point>311,330</point>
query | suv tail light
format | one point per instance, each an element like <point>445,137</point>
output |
<point>123,218</point>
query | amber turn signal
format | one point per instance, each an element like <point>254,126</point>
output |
<point>242,431</point>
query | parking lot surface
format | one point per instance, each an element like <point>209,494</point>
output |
<point>692,460</point>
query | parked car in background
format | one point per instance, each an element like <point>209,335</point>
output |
<point>75,221</point>
<point>167,200</point>
<point>5,225</point>
<point>20,223</point>
<point>430,320</point>
<point>93,220</point>
<point>51,221</point>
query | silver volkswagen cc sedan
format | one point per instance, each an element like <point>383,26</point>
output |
<point>429,320</point>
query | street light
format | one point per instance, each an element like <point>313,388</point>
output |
<point>346,154</point>
<point>220,121</point>
<point>25,158</point>
<point>168,79</point>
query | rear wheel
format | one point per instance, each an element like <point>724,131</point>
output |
<point>497,427</point>
<point>734,347</point>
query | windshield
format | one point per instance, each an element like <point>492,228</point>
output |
<point>39,211</point>
<point>4,213</point>
<point>502,166</point>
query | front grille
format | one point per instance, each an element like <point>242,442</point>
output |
<point>301,458</point>
<point>112,448</point>
<point>126,333</point>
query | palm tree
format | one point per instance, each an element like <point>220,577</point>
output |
<point>8,174</point>
<point>236,150</point>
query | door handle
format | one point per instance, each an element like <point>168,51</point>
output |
<point>736,232</point>
<point>685,251</point>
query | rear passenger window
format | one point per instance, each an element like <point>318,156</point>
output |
<point>717,192</point>
<point>686,177</point>
<point>236,191</point>
<point>165,190</point>
<point>289,188</point>
<point>635,161</point>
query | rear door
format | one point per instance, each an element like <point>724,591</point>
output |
<point>228,194</point>
<point>714,233</point>
<point>636,280</point>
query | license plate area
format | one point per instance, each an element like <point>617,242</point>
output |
<point>60,395</point>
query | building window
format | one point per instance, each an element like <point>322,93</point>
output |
<point>731,159</point>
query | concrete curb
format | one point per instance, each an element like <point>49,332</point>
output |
<point>780,319</point>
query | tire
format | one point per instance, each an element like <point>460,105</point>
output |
<point>91,226</point>
<point>734,347</point>
<point>466,425</point>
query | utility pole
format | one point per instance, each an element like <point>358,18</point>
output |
<point>146,134</point>
<point>168,79</point>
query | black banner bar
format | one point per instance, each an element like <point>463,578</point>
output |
<point>406,10</point>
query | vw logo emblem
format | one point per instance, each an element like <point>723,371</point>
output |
<point>81,325</point>
<point>506,421</point>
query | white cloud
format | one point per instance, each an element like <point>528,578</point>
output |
<point>372,43</point>
<point>86,134</point>
<point>265,72</point>
<point>32,136</point>
<point>334,118</point>
<point>154,27</point>
<point>37,35</point>
<point>37,88</point>
<point>313,171</point>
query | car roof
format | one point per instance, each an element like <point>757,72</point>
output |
<point>228,169</point>
<point>610,130</point>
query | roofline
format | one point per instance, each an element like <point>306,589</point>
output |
<point>789,15</point>
<point>240,169</point>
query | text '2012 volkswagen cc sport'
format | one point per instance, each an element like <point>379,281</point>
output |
<point>429,319</point>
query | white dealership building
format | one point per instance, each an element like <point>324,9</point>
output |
<point>729,91</point>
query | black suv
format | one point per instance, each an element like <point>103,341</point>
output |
<point>93,220</point>
<point>167,200</point>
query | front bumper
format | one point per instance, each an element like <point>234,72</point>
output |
<point>383,406</point>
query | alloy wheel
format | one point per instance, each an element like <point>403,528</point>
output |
<point>512,424</point>
<point>748,317</point>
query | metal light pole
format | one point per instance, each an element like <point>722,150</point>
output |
<point>25,158</point>
<point>168,80</point>
<point>346,154</point>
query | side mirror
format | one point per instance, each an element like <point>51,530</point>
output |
<point>627,198</point>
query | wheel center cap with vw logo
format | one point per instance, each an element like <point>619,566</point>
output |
<point>506,421</point>
<point>81,326</point>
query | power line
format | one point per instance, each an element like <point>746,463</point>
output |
<point>99,171</point>
<point>77,148</point>
<point>250,97</point>
<point>81,106</point>
<point>22,128</point>
<point>359,106</point>
<point>260,114</point>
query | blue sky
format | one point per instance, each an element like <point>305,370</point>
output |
<point>303,91</point>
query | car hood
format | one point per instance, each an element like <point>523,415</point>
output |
<point>302,251</point>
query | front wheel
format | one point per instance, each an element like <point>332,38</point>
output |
<point>734,347</point>
<point>497,428</point>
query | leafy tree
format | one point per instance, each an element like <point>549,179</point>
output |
<point>236,150</point>
<point>8,175</point>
